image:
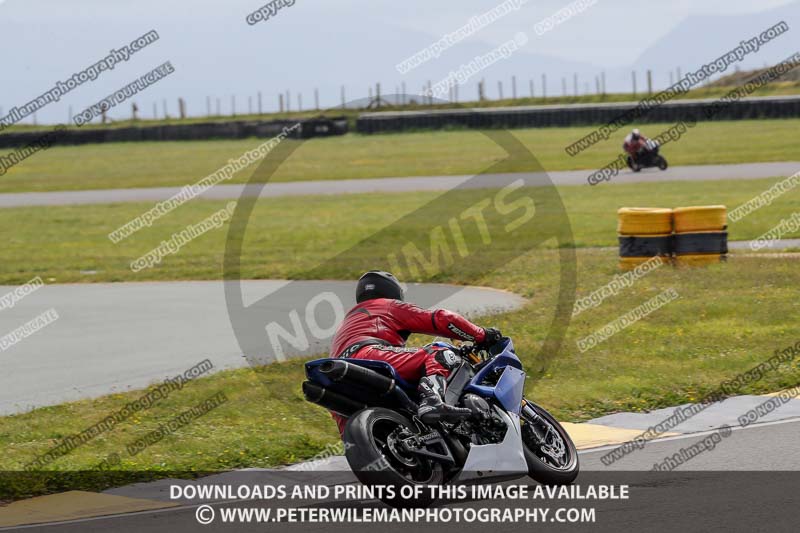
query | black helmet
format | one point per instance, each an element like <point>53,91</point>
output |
<point>378,284</point>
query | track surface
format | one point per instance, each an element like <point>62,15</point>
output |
<point>389,185</point>
<point>111,337</point>
<point>690,499</point>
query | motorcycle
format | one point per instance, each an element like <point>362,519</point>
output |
<point>648,157</point>
<point>505,437</point>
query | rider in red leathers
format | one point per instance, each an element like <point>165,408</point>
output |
<point>634,143</point>
<point>378,327</point>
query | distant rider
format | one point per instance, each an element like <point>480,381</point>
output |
<point>378,327</point>
<point>635,143</point>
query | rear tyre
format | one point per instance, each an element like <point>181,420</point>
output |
<point>374,453</point>
<point>549,451</point>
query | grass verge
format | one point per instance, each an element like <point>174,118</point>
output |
<point>352,156</point>
<point>288,236</point>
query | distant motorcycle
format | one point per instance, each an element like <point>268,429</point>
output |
<point>648,157</point>
<point>505,437</point>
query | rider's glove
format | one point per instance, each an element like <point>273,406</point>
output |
<point>490,337</point>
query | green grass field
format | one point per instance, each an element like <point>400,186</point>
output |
<point>352,156</point>
<point>286,237</point>
<point>729,317</point>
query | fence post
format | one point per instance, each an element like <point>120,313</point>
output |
<point>288,101</point>
<point>259,102</point>
<point>649,82</point>
<point>575,83</point>
<point>403,93</point>
<point>182,108</point>
<point>603,81</point>
<point>633,78</point>
<point>530,84</point>
<point>249,105</point>
<point>514,87</point>
<point>233,105</point>
<point>280,102</point>
<point>208,106</point>
<point>378,95</point>
<point>316,99</point>
<point>134,112</point>
<point>563,86</point>
<point>544,86</point>
<point>499,90</point>
<point>343,98</point>
<point>299,101</point>
<point>481,95</point>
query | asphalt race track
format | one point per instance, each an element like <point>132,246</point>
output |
<point>698,497</point>
<point>390,185</point>
<point>111,337</point>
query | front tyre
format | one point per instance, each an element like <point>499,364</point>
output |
<point>549,451</point>
<point>373,442</point>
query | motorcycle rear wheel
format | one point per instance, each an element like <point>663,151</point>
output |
<point>545,464</point>
<point>372,451</point>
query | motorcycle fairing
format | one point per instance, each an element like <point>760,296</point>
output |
<point>509,388</point>
<point>504,459</point>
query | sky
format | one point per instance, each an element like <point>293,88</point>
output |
<point>330,45</point>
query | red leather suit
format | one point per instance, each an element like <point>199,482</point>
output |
<point>393,321</point>
<point>634,147</point>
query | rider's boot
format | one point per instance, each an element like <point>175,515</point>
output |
<point>432,407</point>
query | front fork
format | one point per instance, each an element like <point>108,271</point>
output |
<point>533,420</point>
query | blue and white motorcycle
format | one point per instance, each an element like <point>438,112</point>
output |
<point>505,437</point>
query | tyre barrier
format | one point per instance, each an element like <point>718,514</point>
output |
<point>699,218</point>
<point>698,260</point>
<point>542,116</point>
<point>630,263</point>
<point>702,242</point>
<point>645,245</point>
<point>234,129</point>
<point>694,236</point>
<point>644,221</point>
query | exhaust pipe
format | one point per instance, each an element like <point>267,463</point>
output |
<point>330,400</point>
<point>343,372</point>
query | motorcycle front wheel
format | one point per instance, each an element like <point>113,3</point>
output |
<point>375,452</point>
<point>549,451</point>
